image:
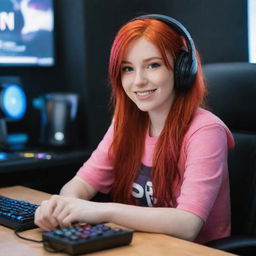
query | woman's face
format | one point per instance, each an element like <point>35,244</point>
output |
<point>145,78</point>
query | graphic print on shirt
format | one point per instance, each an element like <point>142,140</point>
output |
<point>142,187</point>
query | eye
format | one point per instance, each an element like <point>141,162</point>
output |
<point>127,69</point>
<point>153,65</point>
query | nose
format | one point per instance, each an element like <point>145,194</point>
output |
<point>140,78</point>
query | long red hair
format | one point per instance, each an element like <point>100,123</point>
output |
<point>131,124</point>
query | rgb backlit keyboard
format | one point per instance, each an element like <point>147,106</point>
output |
<point>17,214</point>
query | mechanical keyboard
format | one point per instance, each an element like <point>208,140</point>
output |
<point>85,238</point>
<point>17,214</point>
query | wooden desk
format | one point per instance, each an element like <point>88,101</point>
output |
<point>142,244</point>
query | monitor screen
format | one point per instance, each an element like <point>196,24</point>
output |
<point>26,33</point>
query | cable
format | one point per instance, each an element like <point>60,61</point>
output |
<point>47,244</point>
<point>16,232</point>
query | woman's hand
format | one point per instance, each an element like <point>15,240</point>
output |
<point>63,211</point>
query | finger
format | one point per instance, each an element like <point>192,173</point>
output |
<point>53,203</point>
<point>62,215</point>
<point>57,213</point>
<point>39,221</point>
<point>58,209</point>
<point>45,218</point>
<point>68,220</point>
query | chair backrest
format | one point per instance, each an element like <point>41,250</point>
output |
<point>232,97</point>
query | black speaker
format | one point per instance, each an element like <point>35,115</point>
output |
<point>58,119</point>
<point>185,67</point>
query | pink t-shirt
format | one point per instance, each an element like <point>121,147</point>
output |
<point>203,163</point>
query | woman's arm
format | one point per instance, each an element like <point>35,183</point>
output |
<point>79,188</point>
<point>63,211</point>
<point>170,221</point>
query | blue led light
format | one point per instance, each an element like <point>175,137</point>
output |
<point>13,101</point>
<point>3,156</point>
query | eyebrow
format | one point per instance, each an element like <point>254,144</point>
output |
<point>146,60</point>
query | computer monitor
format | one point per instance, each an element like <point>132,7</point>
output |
<point>26,33</point>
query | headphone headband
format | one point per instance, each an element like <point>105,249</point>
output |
<point>174,24</point>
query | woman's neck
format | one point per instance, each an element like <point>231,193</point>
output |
<point>157,122</point>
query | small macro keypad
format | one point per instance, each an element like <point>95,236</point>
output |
<point>85,238</point>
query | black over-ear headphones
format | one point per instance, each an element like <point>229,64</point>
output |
<point>185,67</point>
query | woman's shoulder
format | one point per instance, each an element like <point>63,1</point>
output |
<point>205,119</point>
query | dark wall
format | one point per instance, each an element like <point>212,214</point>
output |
<point>219,28</point>
<point>84,32</point>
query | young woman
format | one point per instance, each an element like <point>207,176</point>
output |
<point>163,158</point>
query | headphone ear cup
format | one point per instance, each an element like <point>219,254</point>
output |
<point>184,72</point>
<point>179,71</point>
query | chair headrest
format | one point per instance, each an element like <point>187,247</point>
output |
<point>232,93</point>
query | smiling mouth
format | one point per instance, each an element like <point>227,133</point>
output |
<point>145,93</point>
